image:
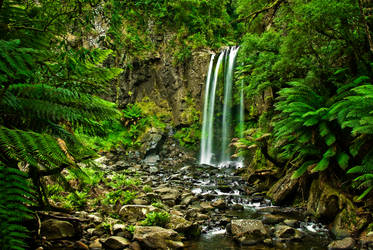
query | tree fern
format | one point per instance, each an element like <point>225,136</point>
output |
<point>15,195</point>
<point>46,92</point>
<point>303,131</point>
<point>355,111</point>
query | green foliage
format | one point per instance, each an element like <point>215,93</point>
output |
<point>131,229</point>
<point>158,205</point>
<point>121,196</point>
<point>121,181</point>
<point>189,136</point>
<point>194,24</point>
<point>76,200</point>
<point>147,189</point>
<point>354,111</point>
<point>46,92</point>
<point>16,194</point>
<point>303,131</point>
<point>314,56</point>
<point>132,112</point>
<point>156,219</point>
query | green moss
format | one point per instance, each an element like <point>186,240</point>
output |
<point>190,135</point>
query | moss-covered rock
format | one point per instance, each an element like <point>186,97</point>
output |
<point>325,201</point>
<point>346,223</point>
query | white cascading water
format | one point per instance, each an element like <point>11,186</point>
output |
<point>217,112</point>
<point>203,159</point>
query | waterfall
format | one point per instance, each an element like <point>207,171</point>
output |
<point>217,123</point>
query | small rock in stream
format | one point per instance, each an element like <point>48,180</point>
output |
<point>291,223</point>
<point>272,219</point>
<point>286,233</point>
<point>346,243</point>
<point>248,232</point>
<point>220,203</point>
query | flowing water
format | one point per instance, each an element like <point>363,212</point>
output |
<point>210,184</point>
<point>219,108</point>
<point>215,179</point>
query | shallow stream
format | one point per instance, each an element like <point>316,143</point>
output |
<point>211,184</point>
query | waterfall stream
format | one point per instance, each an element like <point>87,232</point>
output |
<point>218,113</point>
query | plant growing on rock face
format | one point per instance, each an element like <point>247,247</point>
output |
<point>189,136</point>
<point>156,219</point>
<point>131,114</point>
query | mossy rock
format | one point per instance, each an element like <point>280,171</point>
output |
<point>325,202</point>
<point>346,223</point>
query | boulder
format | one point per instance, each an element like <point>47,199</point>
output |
<point>169,196</point>
<point>152,160</point>
<point>237,207</point>
<point>181,225</point>
<point>54,229</point>
<point>346,223</point>
<point>157,237</point>
<point>96,218</point>
<point>324,201</point>
<point>248,232</point>
<point>119,228</point>
<point>80,246</point>
<point>116,242</point>
<point>272,219</point>
<point>151,142</point>
<point>346,243</point>
<point>134,213</point>
<point>286,233</point>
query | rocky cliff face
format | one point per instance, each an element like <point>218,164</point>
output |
<point>158,79</point>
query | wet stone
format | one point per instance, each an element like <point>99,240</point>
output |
<point>54,229</point>
<point>287,233</point>
<point>291,223</point>
<point>116,242</point>
<point>237,207</point>
<point>248,232</point>
<point>95,245</point>
<point>272,219</point>
<point>346,243</point>
<point>220,203</point>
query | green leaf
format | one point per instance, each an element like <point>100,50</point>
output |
<point>365,193</point>
<point>311,122</point>
<point>329,153</point>
<point>330,139</point>
<point>342,159</point>
<point>300,171</point>
<point>322,165</point>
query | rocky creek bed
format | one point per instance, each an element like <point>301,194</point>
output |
<point>209,208</point>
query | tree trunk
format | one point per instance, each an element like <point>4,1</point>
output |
<point>366,25</point>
